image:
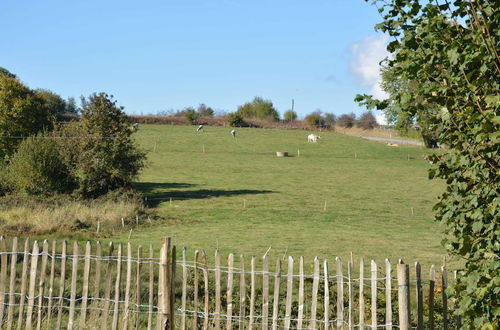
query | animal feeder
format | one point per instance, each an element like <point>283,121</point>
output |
<point>281,153</point>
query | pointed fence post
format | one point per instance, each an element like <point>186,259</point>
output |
<point>403,297</point>
<point>165,289</point>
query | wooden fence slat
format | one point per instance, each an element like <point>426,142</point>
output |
<point>51,283</point>
<point>107,288</point>
<point>172,275</point>
<point>97,283</point>
<point>128,283</point>
<point>403,297</point>
<point>350,287</point>
<point>388,295</point>
<point>361,293</point>
<point>373,302</point>
<point>276,292</point>
<point>326,301</point>
<point>195,293</point>
<point>458,319</point>
<point>165,286</point>
<point>151,286</point>
<point>242,292</point>
<point>184,289</point>
<point>314,299</point>
<point>230,266</point>
<point>444,285</point>
<point>300,312</point>
<point>340,294</point>
<point>265,292</point>
<point>252,293</point>
<point>3,276</point>
<point>206,291</point>
<point>41,283</point>
<point>85,287</point>
<point>138,286</point>
<point>12,283</point>
<point>62,283</point>
<point>31,290</point>
<point>74,277</point>
<point>419,296</point>
<point>289,293</point>
<point>24,277</point>
<point>432,287</point>
<point>218,290</point>
<point>116,310</point>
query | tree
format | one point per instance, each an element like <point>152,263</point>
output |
<point>347,120</point>
<point>447,57</point>
<point>7,73</point>
<point>71,106</point>
<point>191,115</point>
<point>21,114</point>
<point>236,120</point>
<point>205,111</point>
<point>330,119</point>
<point>315,119</point>
<point>290,115</point>
<point>53,102</point>
<point>258,108</point>
<point>108,157</point>
<point>367,121</point>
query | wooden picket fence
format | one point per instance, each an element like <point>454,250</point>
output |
<point>47,287</point>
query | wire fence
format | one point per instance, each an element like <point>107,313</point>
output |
<point>48,286</point>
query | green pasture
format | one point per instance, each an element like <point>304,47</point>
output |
<point>214,190</point>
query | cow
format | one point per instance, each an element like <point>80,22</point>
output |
<point>200,128</point>
<point>313,138</point>
<point>233,133</point>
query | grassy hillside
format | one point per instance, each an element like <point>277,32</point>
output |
<point>378,198</point>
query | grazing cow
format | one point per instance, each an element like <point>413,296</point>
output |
<point>233,133</point>
<point>135,126</point>
<point>313,138</point>
<point>200,128</point>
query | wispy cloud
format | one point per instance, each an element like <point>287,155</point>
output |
<point>365,63</point>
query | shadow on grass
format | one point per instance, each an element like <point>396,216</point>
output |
<point>148,187</point>
<point>156,197</point>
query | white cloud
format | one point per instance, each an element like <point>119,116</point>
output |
<point>367,55</point>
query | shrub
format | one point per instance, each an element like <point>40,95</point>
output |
<point>367,121</point>
<point>290,115</point>
<point>347,120</point>
<point>191,115</point>
<point>38,168</point>
<point>258,108</point>
<point>235,120</point>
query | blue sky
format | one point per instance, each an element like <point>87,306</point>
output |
<point>161,55</point>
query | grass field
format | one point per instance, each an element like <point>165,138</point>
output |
<point>378,198</point>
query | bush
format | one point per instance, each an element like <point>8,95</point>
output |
<point>290,115</point>
<point>191,115</point>
<point>235,120</point>
<point>258,108</point>
<point>347,120</point>
<point>38,168</point>
<point>367,121</point>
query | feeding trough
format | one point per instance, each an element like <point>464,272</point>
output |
<point>281,153</point>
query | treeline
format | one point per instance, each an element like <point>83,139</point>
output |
<point>40,155</point>
<point>258,113</point>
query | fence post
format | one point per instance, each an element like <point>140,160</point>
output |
<point>165,287</point>
<point>403,297</point>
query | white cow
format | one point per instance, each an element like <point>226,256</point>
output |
<point>313,138</point>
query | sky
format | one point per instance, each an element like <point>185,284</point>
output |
<point>156,56</point>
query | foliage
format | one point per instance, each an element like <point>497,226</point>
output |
<point>22,114</point>
<point>258,108</point>
<point>449,55</point>
<point>71,106</point>
<point>7,73</point>
<point>367,121</point>
<point>330,119</point>
<point>38,168</point>
<point>236,120</point>
<point>191,115</point>
<point>347,120</point>
<point>205,111</point>
<point>107,158</point>
<point>53,103</point>
<point>290,115</point>
<point>315,119</point>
